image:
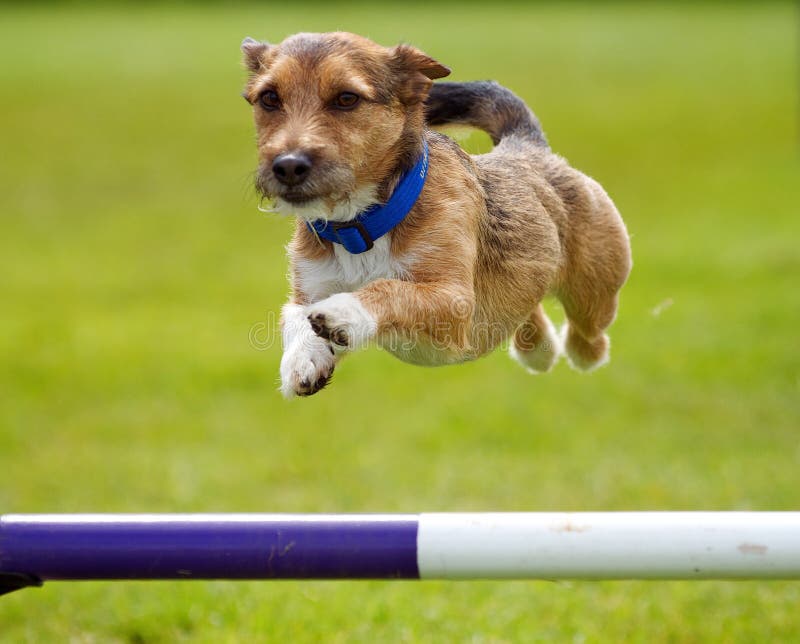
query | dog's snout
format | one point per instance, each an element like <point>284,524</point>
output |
<point>292,168</point>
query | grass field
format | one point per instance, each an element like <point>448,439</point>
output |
<point>134,265</point>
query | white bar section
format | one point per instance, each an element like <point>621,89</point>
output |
<point>610,545</point>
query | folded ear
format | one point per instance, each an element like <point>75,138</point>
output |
<point>413,58</point>
<point>418,70</point>
<point>253,51</point>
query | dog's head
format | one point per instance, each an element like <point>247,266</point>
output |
<point>335,114</point>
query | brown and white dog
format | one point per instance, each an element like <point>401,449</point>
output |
<point>339,121</point>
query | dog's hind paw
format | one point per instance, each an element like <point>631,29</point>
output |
<point>583,354</point>
<point>542,357</point>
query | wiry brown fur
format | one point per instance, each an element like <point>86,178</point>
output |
<point>488,237</point>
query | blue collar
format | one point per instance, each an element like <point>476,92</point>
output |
<point>359,234</point>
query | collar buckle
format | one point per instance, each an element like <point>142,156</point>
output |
<point>343,225</point>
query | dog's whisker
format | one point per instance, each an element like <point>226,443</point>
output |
<point>271,210</point>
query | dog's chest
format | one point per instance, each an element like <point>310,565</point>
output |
<point>344,272</point>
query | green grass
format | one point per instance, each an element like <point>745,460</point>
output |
<point>133,265</point>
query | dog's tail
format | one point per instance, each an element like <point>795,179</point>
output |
<point>485,105</point>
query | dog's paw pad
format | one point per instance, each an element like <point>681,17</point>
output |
<point>337,335</point>
<point>306,368</point>
<point>343,321</point>
<point>308,387</point>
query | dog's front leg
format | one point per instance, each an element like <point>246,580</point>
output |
<point>350,320</point>
<point>308,360</point>
<point>343,320</point>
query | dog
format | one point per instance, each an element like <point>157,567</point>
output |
<point>403,239</point>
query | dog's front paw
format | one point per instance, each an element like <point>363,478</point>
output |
<point>342,320</point>
<point>306,367</point>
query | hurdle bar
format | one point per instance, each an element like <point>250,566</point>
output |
<point>528,545</point>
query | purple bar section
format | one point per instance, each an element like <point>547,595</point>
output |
<point>210,546</point>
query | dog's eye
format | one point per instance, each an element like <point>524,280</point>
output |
<point>346,101</point>
<point>269,100</point>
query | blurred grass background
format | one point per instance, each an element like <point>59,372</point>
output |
<point>134,267</point>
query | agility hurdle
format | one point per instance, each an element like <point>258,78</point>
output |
<point>536,545</point>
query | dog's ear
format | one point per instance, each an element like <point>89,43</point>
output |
<point>418,60</point>
<point>416,70</point>
<point>253,51</point>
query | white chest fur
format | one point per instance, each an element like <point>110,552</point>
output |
<point>345,272</point>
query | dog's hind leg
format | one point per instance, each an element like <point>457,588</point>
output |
<point>535,344</point>
<point>583,336</point>
<point>598,263</point>
<point>590,296</point>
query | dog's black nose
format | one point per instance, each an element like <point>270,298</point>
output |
<point>291,168</point>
